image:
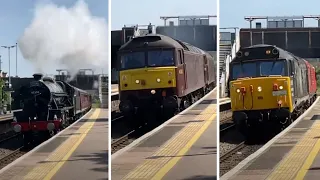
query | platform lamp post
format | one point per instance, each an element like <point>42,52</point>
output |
<point>9,84</point>
<point>16,59</point>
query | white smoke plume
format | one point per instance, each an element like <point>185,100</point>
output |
<point>65,37</point>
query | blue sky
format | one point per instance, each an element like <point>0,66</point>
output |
<point>125,13</point>
<point>16,15</point>
<point>232,12</point>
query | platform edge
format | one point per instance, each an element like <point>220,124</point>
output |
<point>244,162</point>
<point>40,145</point>
<point>137,141</point>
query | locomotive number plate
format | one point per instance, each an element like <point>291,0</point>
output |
<point>279,93</point>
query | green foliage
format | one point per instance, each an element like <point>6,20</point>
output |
<point>318,71</point>
<point>318,79</point>
<point>96,102</point>
<point>3,95</point>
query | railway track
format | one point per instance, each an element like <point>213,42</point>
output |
<point>226,128</point>
<point>11,156</point>
<point>232,151</point>
<point>121,142</point>
<point>117,118</point>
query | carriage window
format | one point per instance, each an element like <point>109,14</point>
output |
<point>161,58</point>
<point>244,70</point>
<point>133,60</point>
<point>268,68</point>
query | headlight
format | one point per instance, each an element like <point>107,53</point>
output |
<point>238,90</point>
<point>153,91</point>
<point>259,88</point>
<point>137,81</point>
<point>158,80</point>
<point>280,87</point>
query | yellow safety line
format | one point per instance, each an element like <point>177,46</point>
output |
<point>166,168</point>
<point>57,158</point>
<point>53,171</point>
<point>307,164</point>
<point>182,140</point>
<point>290,165</point>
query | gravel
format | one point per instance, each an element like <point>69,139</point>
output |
<point>236,158</point>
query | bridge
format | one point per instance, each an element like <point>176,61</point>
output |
<point>287,32</point>
<point>195,30</point>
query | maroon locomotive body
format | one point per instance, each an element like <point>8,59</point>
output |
<point>158,71</point>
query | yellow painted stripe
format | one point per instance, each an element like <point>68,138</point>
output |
<point>290,165</point>
<point>151,166</point>
<point>160,174</point>
<point>56,159</point>
<point>306,166</point>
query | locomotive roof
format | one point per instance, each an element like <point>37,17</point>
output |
<point>77,89</point>
<point>53,87</point>
<point>158,41</point>
<point>259,52</point>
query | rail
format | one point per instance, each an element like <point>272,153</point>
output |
<point>225,112</point>
<point>232,151</point>
<point>121,142</point>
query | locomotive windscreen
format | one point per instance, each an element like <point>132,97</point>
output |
<point>258,68</point>
<point>154,58</point>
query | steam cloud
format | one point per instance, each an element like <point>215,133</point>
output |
<point>69,37</point>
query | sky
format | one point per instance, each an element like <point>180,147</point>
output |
<point>16,15</point>
<point>232,12</point>
<point>125,13</point>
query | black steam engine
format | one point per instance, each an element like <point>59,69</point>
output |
<point>48,106</point>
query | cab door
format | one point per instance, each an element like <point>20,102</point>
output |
<point>205,69</point>
<point>181,73</point>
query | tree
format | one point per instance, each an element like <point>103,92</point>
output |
<point>318,75</point>
<point>3,94</point>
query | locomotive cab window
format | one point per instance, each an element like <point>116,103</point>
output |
<point>133,60</point>
<point>258,68</point>
<point>268,68</point>
<point>247,69</point>
<point>161,58</point>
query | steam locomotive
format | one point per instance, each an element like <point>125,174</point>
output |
<point>48,106</point>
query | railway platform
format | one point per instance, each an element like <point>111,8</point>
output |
<point>292,154</point>
<point>78,152</point>
<point>183,147</point>
<point>114,89</point>
<point>224,100</point>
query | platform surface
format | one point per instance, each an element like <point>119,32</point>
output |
<point>114,88</point>
<point>183,149</point>
<point>224,100</point>
<point>79,152</point>
<point>294,155</point>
